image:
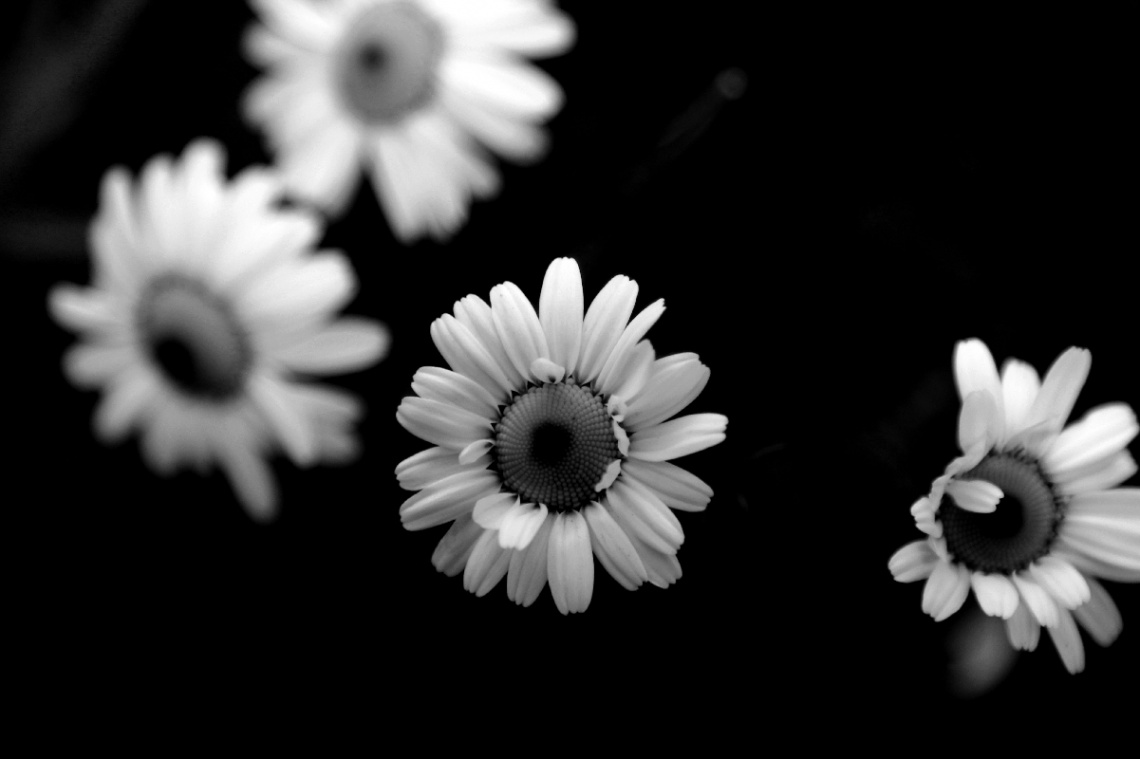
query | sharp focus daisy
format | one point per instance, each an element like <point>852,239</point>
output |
<point>1030,513</point>
<point>418,91</point>
<point>552,440</point>
<point>207,307</point>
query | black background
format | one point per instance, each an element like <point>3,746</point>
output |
<point>885,186</point>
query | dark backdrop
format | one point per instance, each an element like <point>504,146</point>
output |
<point>826,204</point>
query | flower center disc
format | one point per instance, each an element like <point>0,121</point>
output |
<point>1019,531</point>
<point>553,445</point>
<point>193,338</point>
<point>386,62</point>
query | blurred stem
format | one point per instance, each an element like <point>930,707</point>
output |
<point>48,79</point>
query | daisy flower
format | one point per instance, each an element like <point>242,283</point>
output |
<point>415,90</point>
<point>1030,512</point>
<point>550,442</point>
<point>206,307</point>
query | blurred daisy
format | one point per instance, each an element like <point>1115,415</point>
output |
<point>413,89</point>
<point>551,442</point>
<point>1033,512</point>
<point>207,303</point>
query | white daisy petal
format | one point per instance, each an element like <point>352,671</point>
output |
<point>478,451</point>
<point>1076,553</point>
<point>520,524</point>
<point>249,475</point>
<point>292,428</point>
<point>1061,580</point>
<point>631,374</point>
<point>490,510</point>
<point>526,575</point>
<point>945,590</point>
<point>1099,616</point>
<point>978,496</point>
<point>1024,631</point>
<point>632,335</point>
<point>1102,433</point>
<point>546,371</point>
<point>447,499</point>
<point>299,292</point>
<point>418,471</point>
<point>603,325</point>
<point>90,365</point>
<point>300,22</point>
<point>640,512</point>
<point>526,28</point>
<point>465,354</point>
<point>344,346</point>
<point>1117,509</point>
<point>570,563</point>
<point>676,487</point>
<point>441,423</point>
<point>672,385</point>
<point>560,308</point>
<point>975,371</point>
<point>925,517</point>
<point>454,548</point>
<point>518,327</point>
<point>1114,541</point>
<point>1099,475</point>
<point>83,309</point>
<point>613,548</point>
<point>663,569</point>
<point>486,565</point>
<point>1059,389</point>
<point>506,134</point>
<point>678,437</point>
<point>455,388</point>
<point>995,593</point>
<point>914,561</point>
<point>125,400</point>
<point>475,314</point>
<point>1067,639</point>
<point>523,92</point>
<point>1042,605</point>
<point>116,251</point>
<point>1019,387</point>
<point>979,421</point>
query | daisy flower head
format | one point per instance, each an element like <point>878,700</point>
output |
<point>1031,512</point>
<point>206,310</point>
<point>416,91</point>
<point>552,435</point>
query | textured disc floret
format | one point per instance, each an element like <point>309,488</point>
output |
<point>554,444</point>
<point>386,63</point>
<point>192,337</point>
<point>1019,531</point>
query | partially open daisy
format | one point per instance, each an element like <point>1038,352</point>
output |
<point>551,442</point>
<point>1031,511</point>
<point>206,306</point>
<point>413,90</point>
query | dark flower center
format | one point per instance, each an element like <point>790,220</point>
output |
<point>554,444</point>
<point>386,62</point>
<point>193,338</point>
<point>1019,531</point>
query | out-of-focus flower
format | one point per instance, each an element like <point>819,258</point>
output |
<point>415,90</point>
<point>1034,511</point>
<point>551,442</point>
<point>207,303</point>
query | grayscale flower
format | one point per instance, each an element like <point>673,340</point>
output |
<point>207,308</point>
<point>416,91</point>
<point>552,436</point>
<point>1033,512</point>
